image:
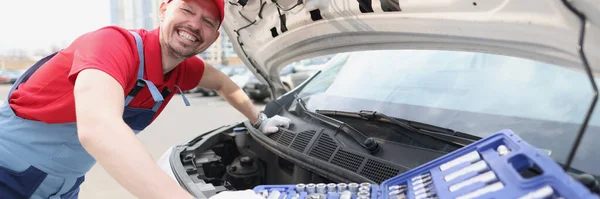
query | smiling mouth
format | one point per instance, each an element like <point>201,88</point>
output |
<point>187,36</point>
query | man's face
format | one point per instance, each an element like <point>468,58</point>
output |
<point>188,27</point>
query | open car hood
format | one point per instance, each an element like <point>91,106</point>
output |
<point>267,37</point>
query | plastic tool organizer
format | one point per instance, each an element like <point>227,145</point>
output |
<point>488,168</point>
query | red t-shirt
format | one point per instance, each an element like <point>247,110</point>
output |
<point>48,94</point>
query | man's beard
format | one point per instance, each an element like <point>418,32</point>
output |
<point>180,53</point>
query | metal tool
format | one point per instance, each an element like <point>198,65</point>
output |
<point>365,184</point>
<point>422,180</point>
<point>421,176</point>
<point>421,186</point>
<point>296,196</point>
<point>479,192</point>
<point>363,193</point>
<point>477,167</point>
<point>300,187</point>
<point>401,196</point>
<point>394,187</point>
<point>397,192</point>
<point>346,195</point>
<point>321,187</point>
<point>353,187</point>
<point>331,187</point>
<point>469,157</point>
<point>342,187</point>
<point>274,194</point>
<point>430,189</point>
<point>264,193</point>
<point>486,177</point>
<point>544,192</point>
<point>503,150</point>
<point>425,196</point>
<point>367,189</point>
<point>314,196</point>
<point>311,188</point>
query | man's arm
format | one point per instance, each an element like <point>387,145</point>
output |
<point>215,80</point>
<point>103,133</point>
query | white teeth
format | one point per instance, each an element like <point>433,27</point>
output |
<point>187,36</point>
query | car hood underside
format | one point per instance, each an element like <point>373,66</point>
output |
<point>271,34</point>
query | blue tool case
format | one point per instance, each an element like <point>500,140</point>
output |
<point>489,168</point>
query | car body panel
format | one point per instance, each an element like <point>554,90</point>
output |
<point>544,30</point>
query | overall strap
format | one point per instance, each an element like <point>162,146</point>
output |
<point>141,82</point>
<point>25,76</point>
<point>185,100</point>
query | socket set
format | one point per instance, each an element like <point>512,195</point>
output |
<point>319,191</point>
<point>488,168</point>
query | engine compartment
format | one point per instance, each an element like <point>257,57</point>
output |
<point>230,159</point>
<point>233,158</point>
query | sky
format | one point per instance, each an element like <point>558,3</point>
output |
<point>37,24</point>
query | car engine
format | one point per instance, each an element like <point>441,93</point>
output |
<point>230,159</point>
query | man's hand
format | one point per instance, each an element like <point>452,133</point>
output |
<point>272,125</point>
<point>245,194</point>
<point>215,80</point>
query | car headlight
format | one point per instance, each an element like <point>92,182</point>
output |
<point>165,165</point>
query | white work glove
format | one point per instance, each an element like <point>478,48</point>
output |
<point>272,125</point>
<point>245,194</point>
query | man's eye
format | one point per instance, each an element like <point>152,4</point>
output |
<point>208,22</point>
<point>186,11</point>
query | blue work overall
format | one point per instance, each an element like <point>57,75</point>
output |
<point>39,160</point>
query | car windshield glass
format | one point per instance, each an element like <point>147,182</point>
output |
<point>475,93</point>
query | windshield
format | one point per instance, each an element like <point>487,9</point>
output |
<point>475,93</point>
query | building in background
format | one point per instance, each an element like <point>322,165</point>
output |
<point>136,14</point>
<point>221,52</point>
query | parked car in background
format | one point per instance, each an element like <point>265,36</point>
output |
<point>3,80</point>
<point>10,76</point>
<point>228,70</point>
<point>243,78</point>
<point>291,76</point>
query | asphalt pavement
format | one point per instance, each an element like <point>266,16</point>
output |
<point>177,124</point>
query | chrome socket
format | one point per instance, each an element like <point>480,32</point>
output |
<point>363,193</point>
<point>300,187</point>
<point>353,187</point>
<point>321,187</point>
<point>331,187</point>
<point>346,195</point>
<point>365,189</point>
<point>342,187</point>
<point>311,188</point>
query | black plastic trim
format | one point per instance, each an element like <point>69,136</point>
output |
<point>323,168</point>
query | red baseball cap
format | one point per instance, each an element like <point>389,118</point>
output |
<point>220,6</point>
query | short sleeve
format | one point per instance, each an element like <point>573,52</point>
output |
<point>192,70</point>
<point>109,50</point>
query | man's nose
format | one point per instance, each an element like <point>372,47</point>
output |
<point>196,27</point>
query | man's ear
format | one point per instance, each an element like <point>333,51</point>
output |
<point>161,11</point>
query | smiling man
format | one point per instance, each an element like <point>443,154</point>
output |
<point>87,102</point>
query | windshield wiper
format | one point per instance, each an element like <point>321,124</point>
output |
<point>446,135</point>
<point>366,142</point>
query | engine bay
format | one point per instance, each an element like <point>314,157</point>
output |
<point>231,160</point>
<point>238,157</point>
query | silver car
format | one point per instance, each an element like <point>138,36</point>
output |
<point>456,71</point>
